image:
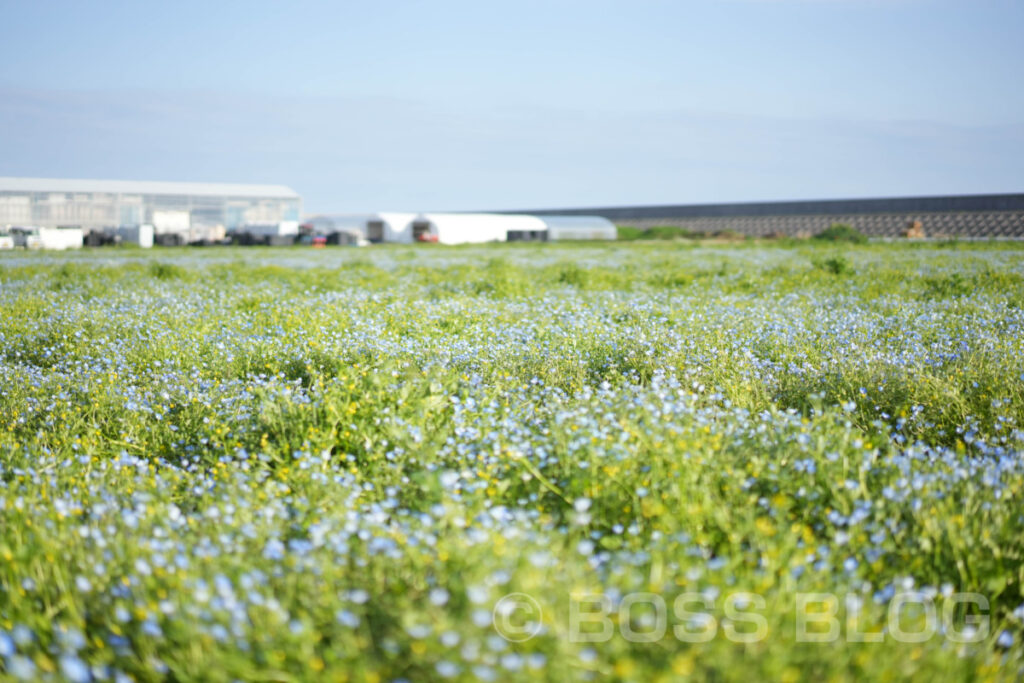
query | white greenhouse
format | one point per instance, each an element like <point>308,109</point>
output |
<point>565,228</point>
<point>186,211</point>
<point>390,227</point>
<point>271,229</point>
<point>475,228</point>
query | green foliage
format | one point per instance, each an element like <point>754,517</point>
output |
<point>166,271</point>
<point>628,232</point>
<point>840,232</point>
<point>837,265</point>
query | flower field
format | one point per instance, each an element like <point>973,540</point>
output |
<point>519,462</point>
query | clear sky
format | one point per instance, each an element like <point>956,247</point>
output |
<point>515,105</point>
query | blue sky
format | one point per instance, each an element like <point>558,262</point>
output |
<point>506,105</point>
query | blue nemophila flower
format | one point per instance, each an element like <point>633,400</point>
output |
<point>274,549</point>
<point>447,669</point>
<point>22,635</point>
<point>7,647</point>
<point>21,668</point>
<point>439,596</point>
<point>347,618</point>
<point>74,669</point>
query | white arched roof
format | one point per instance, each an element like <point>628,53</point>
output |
<point>397,225</point>
<point>470,228</point>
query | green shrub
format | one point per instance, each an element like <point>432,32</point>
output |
<point>837,265</point>
<point>841,232</point>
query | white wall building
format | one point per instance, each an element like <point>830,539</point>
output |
<point>47,238</point>
<point>139,235</point>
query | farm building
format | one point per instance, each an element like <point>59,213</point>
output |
<point>564,228</point>
<point>999,216</point>
<point>467,228</point>
<point>389,227</point>
<point>470,228</point>
<point>188,211</point>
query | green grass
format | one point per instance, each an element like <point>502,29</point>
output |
<point>288,464</point>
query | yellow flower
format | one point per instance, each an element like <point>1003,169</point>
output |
<point>682,664</point>
<point>765,526</point>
